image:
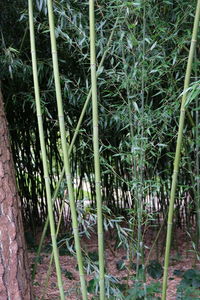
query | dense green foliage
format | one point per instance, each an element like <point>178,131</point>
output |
<point>139,89</point>
<point>146,63</point>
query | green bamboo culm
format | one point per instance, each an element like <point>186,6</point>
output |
<point>178,149</point>
<point>96,150</point>
<point>43,150</point>
<point>51,257</point>
<point>197,160</point>
<point>71,146</point>
<point>65,150</point>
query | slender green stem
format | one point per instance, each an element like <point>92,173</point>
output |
<point>51,257</point>
<point>142,156</point>
<point>65,149</point>
<point>155,241</point>
<point>96,149</point>
<point>178,149</point>
<point>197,190</point>
<point>132,159</point>
<point>43,149</point>
<point>46,225</point>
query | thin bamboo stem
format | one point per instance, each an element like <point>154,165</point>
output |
<point>46,225</point>
<point>65,149</point>
<point>197,190</point>
<point>96,150</point>
<point>142,158</point>
<point>155,241</point>
<point>51,257</point>
<point>43,149</point>
<point>178,149</point>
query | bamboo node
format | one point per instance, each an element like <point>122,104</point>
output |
<point>53,235</point>
<point>100,233</point>
<point>194,41</point>
<point>93,65</point>
<point>54,52</point>
<point>101,278</point>
<point>98,182</point>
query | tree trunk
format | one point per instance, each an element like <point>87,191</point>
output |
<point>15,283</point>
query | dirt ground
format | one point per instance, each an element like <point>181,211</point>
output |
<point>182,258</point>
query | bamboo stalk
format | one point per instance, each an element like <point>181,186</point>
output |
<point>65,149</point>
<point>142,164</point>
<point>46,225</point>
<point>72,144</point>
<point>43,150</point>
<point>197,190</point>
<point>178,149</point>
<point>96,149</point>
<point>51,257</point>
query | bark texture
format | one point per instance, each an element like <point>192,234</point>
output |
<point>15,283</point>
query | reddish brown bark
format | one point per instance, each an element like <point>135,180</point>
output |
<point>15,281</point>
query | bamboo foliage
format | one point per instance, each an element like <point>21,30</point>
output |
<point>162,42</point>
<point>65,149</point>
<point>43,150</point>
<point>178,148</point>
<point>96,149</point>
<point>124,82</point>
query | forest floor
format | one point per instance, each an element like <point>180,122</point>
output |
<point>182,258</point>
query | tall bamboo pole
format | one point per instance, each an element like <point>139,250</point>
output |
<point>96,149</point>
<point>72,144</point>
<point>140,208</point>
<point>178,148</point>
<point>65,149</point>
<point>51,257</point>
<point>197,158</point>
<point>43,149</point>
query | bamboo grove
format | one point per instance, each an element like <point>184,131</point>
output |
<point>93,105</point>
